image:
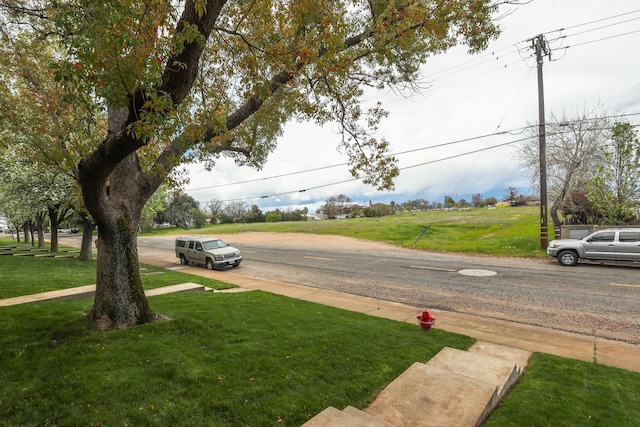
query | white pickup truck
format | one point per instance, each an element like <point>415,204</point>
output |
<point>619,244</point>
<point>211,252</point>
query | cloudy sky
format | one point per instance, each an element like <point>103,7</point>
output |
<point>594,60</point>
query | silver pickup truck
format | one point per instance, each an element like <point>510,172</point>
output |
<point>619,244</point>
<point>208,251</point>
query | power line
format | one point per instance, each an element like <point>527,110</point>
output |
<point>458,141</point>
<point>514,131</point>
<point>494,55</point>
<point>499,124</point>
<point>331,184</point>
<point>593,22</point>
<point>600,39</point>
<point>602,27</point>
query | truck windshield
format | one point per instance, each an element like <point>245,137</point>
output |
<point>213,244</point>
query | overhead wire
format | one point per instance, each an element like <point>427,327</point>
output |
<point>594,22</point>
<point>454,156</point>
<point>414,150</point>
<point>447,72</point>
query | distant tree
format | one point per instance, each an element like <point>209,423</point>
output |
<point>336,205</point>
<point>329,210</point>
<point>181,211</point>
<point>449,202</point>
<point>462,203</point>
<point>417,204</point>
<point>154,205</point>
<point>341,202</point>
<point>382,209</point>
<point>510,195</point>
<point>490,200</point>
<point>295,215</point>
<point>236,210</point>
<point>31,191</point>
<point>573,151</point>
<point>369,212</point>
<point>477,200</point>
<point>224,218</point>
<point>215,209</point>
<point>254,214</point>
<point>274,216</point>
<point>409,205</point>
<point>577,208</point>
<point>614,190</point>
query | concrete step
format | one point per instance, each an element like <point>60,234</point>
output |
<point>348,417</point>
<point>455,388</point>
<point>429,396</point>
<point>498,372</point>
<point>515,355</point>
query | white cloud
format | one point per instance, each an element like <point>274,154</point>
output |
<point>491,92</point>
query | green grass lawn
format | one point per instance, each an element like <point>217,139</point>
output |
<point>240,359</point>
<point>556,391</point>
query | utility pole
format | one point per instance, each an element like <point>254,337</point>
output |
<point>541,48</point>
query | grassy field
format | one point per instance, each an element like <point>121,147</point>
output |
<point>503,231</point>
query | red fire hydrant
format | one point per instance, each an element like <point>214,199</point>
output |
<point>426,320</point>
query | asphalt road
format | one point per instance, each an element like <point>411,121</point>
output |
<point>598,300</point>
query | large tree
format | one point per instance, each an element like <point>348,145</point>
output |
<point>198,79</point>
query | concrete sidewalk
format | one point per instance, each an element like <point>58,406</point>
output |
<point>520,336</point>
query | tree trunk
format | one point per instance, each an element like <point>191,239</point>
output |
<point>40,228</point>
<point>87,237</point>
<point>555,219</point>
<point>32,232</point>
<point>17,227</point>
<point>25,227</point>
<point>120,301</point>
<point>53,217</point>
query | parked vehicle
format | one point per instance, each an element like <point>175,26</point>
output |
<point>211,252</point>
<point>603,245</point>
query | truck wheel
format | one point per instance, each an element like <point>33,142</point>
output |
<point>210,265</point>
<point>568,258</point>
<point>183,260</point>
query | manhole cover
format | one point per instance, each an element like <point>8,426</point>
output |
<point>477,273</point>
